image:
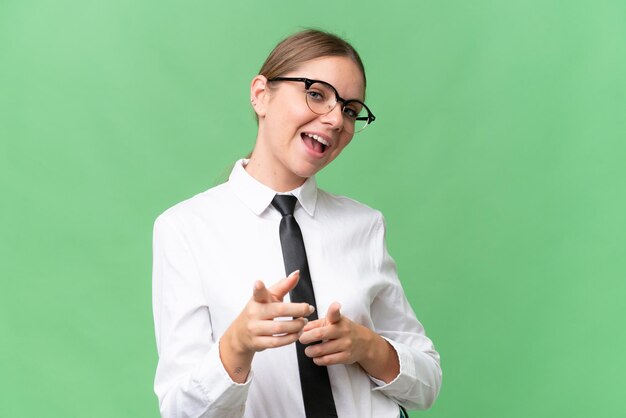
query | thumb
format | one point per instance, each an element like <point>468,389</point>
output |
<point>334,313</point>
<point>260,293</point>
<point>280,289</point>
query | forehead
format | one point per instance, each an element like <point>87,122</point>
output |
<point>343,73</point>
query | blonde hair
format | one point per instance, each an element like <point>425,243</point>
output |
<point>304,46</point>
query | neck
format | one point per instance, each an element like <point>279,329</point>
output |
<point>272,175</point>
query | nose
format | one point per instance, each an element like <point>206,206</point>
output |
<point>334,117</point>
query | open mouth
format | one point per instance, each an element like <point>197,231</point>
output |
<point>315,142</point>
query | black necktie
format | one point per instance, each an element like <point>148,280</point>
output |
<point>316,391</point>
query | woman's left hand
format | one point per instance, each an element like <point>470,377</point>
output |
<point>345,342</point>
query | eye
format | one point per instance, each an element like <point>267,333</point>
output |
<point>315,95</point>
<point>350,112</point>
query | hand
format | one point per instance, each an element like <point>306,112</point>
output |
<point>343,341</point>
<point>346,342</point>
<point>258,327</point>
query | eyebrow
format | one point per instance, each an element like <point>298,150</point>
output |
<point>317,80</point>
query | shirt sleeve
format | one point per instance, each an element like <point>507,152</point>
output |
<point>190,379</point>
<point>418,383</point>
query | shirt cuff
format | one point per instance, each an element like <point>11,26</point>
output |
<point>218,387</point>
<point>405,377</point>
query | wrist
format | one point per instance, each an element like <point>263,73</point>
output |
<point>372,345</point>
<point>234,343</point>
<point>236,360</point>
<point>380,348</point>
<point>380,359</point>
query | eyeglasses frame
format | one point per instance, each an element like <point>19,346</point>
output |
<point>308,82</point>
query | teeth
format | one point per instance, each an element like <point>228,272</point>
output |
<point>318,139</point>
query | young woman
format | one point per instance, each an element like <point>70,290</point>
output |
<point>231,346</point>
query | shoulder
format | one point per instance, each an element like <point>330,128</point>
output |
<point>205,205</point>
<point>347,208</point>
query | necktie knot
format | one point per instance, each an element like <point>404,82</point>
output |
<point>285,204</point>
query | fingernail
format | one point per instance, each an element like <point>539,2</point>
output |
<point>311,309</point>
<point>306,321</point>
<point>293,273</point>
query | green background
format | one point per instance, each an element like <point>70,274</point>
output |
<point>497,158</point>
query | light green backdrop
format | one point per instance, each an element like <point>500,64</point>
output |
<point>497,158</point>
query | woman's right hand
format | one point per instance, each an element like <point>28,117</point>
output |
<point>262,324</point>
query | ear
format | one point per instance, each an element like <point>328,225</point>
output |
<point>259,94</point>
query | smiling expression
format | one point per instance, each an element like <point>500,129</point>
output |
<point>293,143</point>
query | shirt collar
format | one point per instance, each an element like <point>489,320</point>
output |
<point>258,196</point>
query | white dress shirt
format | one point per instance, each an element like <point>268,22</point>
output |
<point>208,252</point>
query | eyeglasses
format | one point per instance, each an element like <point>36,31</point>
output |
<point>322,98</point>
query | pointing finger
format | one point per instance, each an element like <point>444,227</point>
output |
<point>280,289</point>
<point>260,294</point>
<point>280,309</point>
<point>334,314</point>
<point>313,324</point>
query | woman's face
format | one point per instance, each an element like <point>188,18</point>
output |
<point>289,144</point>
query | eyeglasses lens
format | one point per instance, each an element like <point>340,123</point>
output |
<point>321,99</point>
